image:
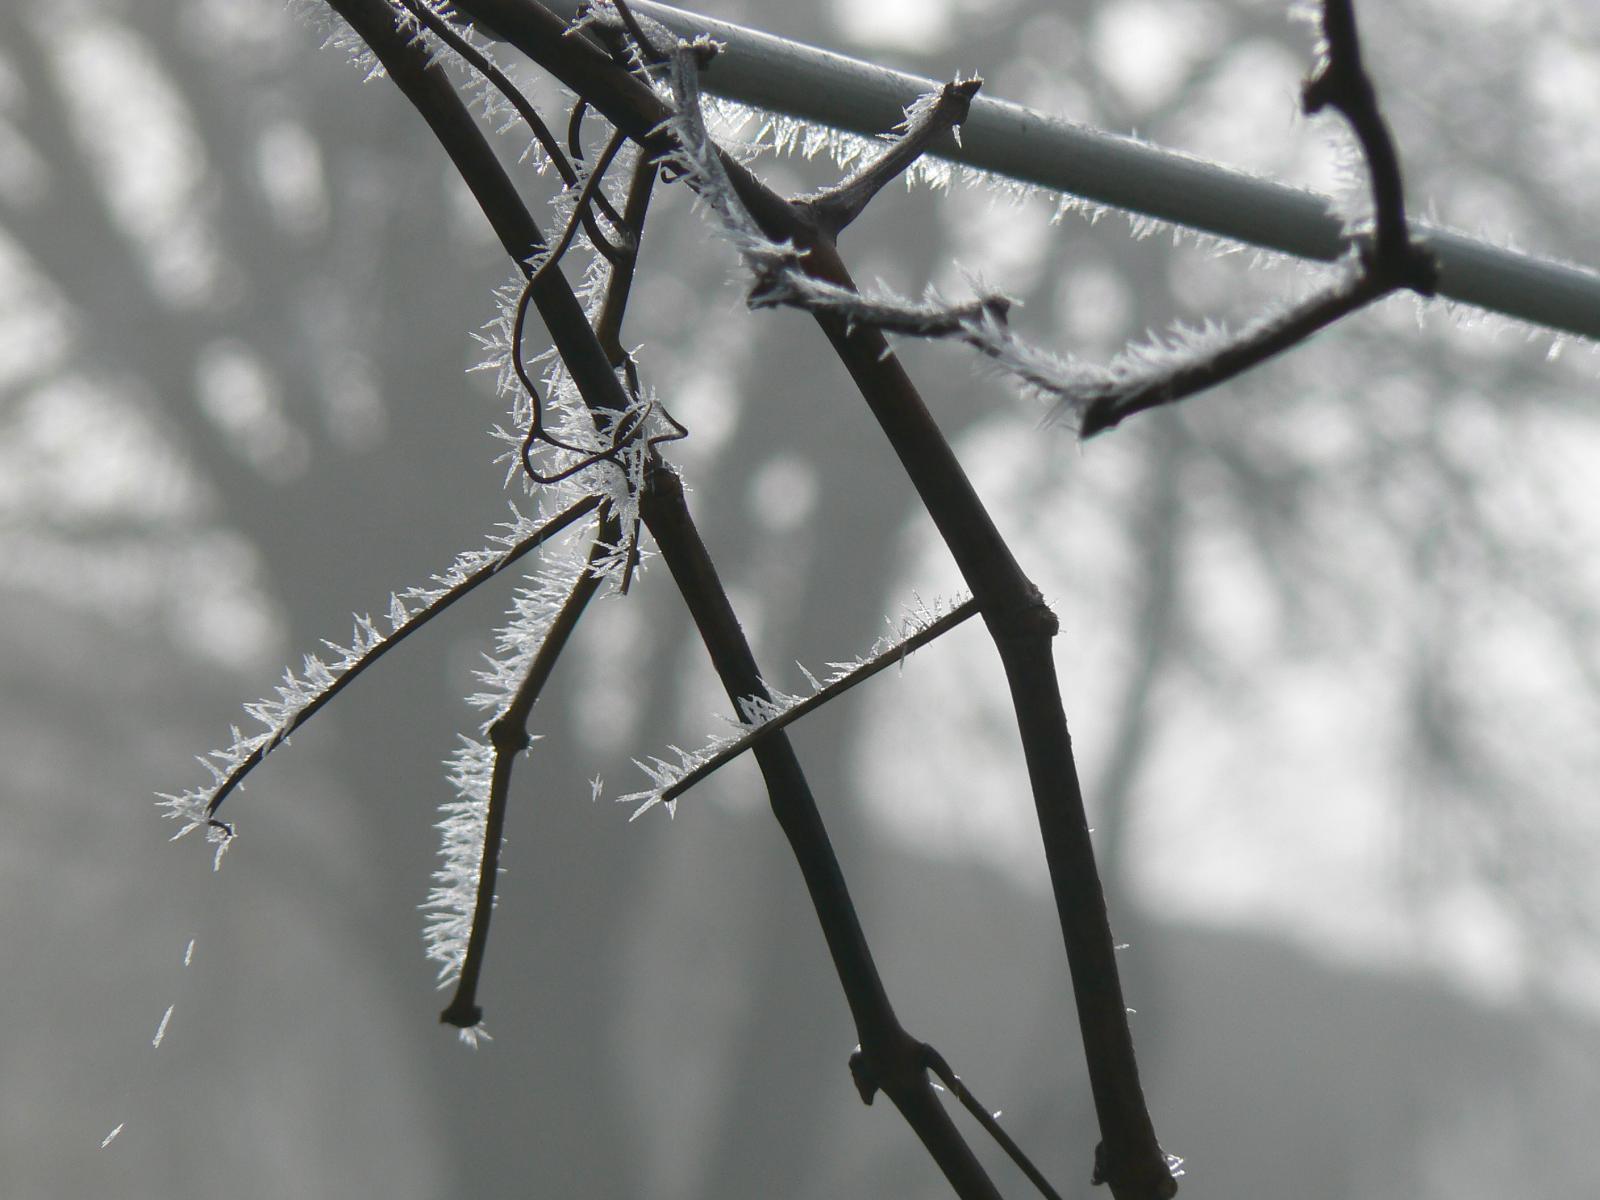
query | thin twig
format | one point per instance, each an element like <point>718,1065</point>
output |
<point>1343,83</point>
<point>891,656</point>
<point>1021,623</point>
<point>508,734</point>
<point>413,623</point>
<point>890,1055</point>
<point>940,112</point>
<point>989,1120</point>
<point>1252,347</point>
<point>481,63</point>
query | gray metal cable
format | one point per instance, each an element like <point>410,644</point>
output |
<point>820,86</point>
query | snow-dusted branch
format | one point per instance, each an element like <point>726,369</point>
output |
<point>834,95</point>
<point>462,901</point>
<point>990,1121</point>
<point>1341,82</point>
<point>1091,398</point>
<point>762,716</point>
<point>931,115</point>
<point>301,696</point>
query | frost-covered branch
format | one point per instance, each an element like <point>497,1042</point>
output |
<point>815,96</point>
<point>468,46</point>
<point>301,696</point>
<point>461,903</point>
<point>889,1058</point>
<point>1019,621</point>
<point>763,715</point>
<point>1341,82</point>
<point>990,1121</point>
<point>1387,261</point>
<point>1154,373</point>
<point>1090,397</point>
<point>780,277</point>
<point>931,115</point>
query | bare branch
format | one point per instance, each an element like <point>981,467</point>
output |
<point>1342,82</point>
<point>891,1054</point>
<point>1103,407</point>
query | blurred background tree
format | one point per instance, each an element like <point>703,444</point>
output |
<point>1328,636</point>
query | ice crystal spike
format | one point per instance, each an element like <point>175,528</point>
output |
<point>161,1029</point>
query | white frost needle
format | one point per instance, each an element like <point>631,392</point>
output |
<point>161,1029</point>
<point>452,901</point>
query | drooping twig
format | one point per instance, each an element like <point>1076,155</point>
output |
<point>300,699</point>
<point>508,735</point>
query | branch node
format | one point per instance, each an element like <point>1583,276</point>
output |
<point>866,1082</point>
<point>1031,618</point>
<point>509,737</point>
<point>461,1013</point>
<point>938,112</point>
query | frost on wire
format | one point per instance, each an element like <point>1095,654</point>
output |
<point>1072,387</point>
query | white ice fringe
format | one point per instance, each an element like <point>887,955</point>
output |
<point>281,713</point>
<point>481,91</point>
<point>1065,382</point>
<point>756,711</point>
<point>463,824</point>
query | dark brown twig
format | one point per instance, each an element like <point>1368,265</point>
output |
<point>889,1059</point>
<point>1389,260</point>
<point>890,657</point>
<point>413,623</point>
<point>508,734</point>
<point>1254,346</point>
<point>1342,83</point>
<point>1018,619</point>
<point>990,1122</point>
<point>423,12</point>
<point>836,207</point>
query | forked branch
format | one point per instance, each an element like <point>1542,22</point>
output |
<point>892,1055</point>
